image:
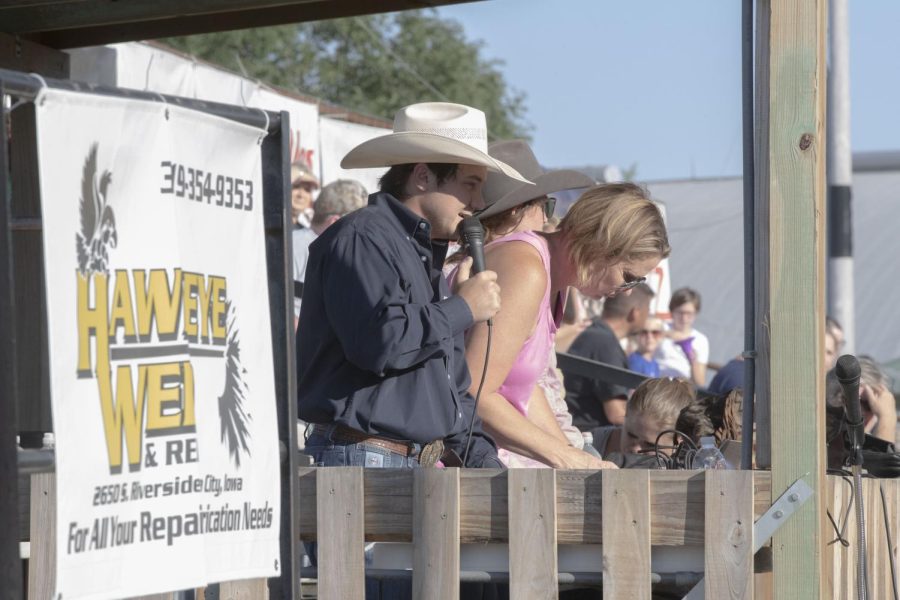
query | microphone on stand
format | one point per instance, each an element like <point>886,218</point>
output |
<point>472,234</point>
<point>848,372</point>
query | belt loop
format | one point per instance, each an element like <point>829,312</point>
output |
<point>414,450</point>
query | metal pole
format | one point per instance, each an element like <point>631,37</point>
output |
<point>279,250</point>
<point>10,563</point>
<point>840,173</point>
<point>749,236</point>
<point>27,86</point>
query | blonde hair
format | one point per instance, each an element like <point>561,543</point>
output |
<point>661,399</point>
<point>612,223</point>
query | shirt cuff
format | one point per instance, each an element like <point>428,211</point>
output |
<point>458,314</point>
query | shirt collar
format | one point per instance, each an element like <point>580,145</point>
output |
<point>410,223</point>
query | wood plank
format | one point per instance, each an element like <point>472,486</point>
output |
<point>763,581</point>
<point>728,554</point>
<point>791,291</point>
<point>842,574</point>
<point>339,508</point>
<point>893,502</point>
<point>108,22</point>
<point>244,589</point>
<point>676,501</point>
<point>22,55</point>
<point>42,564</point>
<point>626,535</point>
<point>878,523</point>
<point>533,565</point>
<point>436,533</point>
<point>829,565</point>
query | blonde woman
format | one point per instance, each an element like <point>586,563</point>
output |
<point>607,243</point>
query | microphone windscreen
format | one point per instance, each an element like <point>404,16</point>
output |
<point>472,230</point>
<point>472,234</point>
<point>847,369</point>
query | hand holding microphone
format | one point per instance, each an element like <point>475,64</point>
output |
<point>477,286</point>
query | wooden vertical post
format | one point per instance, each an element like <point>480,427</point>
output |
<point>532,534</point>
<point>340,516</point>
<point>626,534</point>
<point>436,534</point>
<point>791,272</point>
<point>728,528</point>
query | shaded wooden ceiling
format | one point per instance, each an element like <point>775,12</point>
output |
<point>75,23</point>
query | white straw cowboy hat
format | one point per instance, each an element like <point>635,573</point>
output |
<point>431,132</point>
<point>501,193</point>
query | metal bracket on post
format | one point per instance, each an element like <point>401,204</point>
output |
<point>772,520</point>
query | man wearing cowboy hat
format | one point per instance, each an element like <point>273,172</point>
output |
<point>303,185</point>
<point>381,367</point>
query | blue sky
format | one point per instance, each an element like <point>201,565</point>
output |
<point>656,83</point>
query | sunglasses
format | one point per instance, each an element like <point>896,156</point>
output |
<point>549,206</point>
<point>653,332</point>
<point>630,282</point>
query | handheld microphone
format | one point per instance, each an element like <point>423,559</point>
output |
<point>847,372</point>
<point>472,234</point>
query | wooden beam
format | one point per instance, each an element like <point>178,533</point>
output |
<point>101,22</point>
<point>23,55</point>
<point>790,272</point>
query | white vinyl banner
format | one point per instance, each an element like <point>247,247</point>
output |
<point>162,383</point>
<point>336,139</point>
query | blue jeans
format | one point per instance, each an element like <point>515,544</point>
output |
<point>328,453</point>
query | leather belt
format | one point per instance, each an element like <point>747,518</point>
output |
<point>342,433</point>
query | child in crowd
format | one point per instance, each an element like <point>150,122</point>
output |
<point>652,409</point>
<point>685,352</point>
<point>647,340</point>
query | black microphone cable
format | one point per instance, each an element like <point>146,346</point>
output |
<point>472,234</point>
<point>487,355</point>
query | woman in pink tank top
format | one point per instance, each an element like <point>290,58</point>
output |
<point>610,239</point>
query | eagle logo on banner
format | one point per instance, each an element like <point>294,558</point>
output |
<point>98,225</point>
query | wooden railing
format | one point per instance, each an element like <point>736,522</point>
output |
<point>534,512</point>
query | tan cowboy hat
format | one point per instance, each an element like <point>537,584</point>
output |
<point>500,193</point>
<point>431,132</point>
<point>301,173</point>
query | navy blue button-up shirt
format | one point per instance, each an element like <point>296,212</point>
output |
<point>380,343</point>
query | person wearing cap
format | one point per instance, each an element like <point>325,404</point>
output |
<point>607,243</point>
<point>338,198</point>
<point>303,185</point>
<point>382,376</point>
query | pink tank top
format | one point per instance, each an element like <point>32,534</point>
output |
<point>532,360</point>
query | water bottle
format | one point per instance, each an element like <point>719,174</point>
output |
<point>708,456</point>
